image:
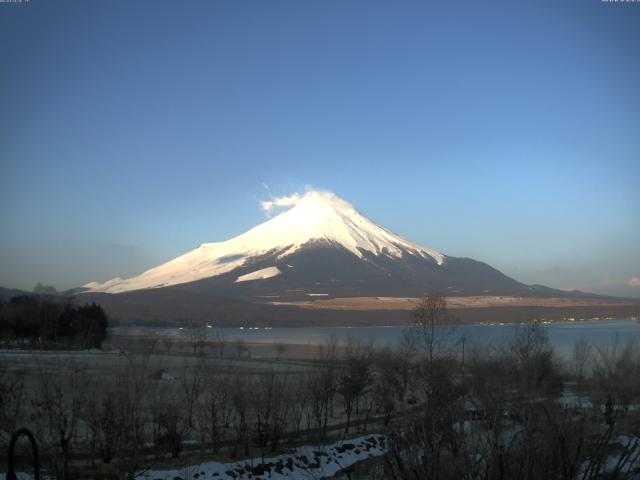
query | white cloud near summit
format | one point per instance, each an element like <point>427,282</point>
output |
<point>287,201</point>
<point>277,204</point>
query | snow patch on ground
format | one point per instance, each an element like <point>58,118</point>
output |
<point>627,466</point>
<point>304,462</point>
<point>261,274</point>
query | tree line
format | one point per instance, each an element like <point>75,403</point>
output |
<point>50,322</point>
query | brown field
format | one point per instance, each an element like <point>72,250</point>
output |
<point>409,303</point>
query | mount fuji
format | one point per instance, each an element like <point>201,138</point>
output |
<point>320,248</point>
<point>319,220</point>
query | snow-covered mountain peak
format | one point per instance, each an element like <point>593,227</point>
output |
<point>315,216</point>
<point>324,216</point>
<point>315,201</point>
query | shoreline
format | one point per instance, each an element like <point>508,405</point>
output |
<point>181,326</point>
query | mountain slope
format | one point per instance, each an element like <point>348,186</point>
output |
<point>318,217</point>
<point>324,269</point>
<point>321,247</point>
<point>8,293</point>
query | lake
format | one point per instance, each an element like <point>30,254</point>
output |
<point>562,335</point>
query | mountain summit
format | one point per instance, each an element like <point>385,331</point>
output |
<point>318,246</point>
<point>315,218</point>
<point>309,264</point>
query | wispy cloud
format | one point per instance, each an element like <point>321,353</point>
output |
<point>268,206</point>
<point>277,204</point>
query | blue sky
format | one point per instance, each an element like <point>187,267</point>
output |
<point>509,132</point>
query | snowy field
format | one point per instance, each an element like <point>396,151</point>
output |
<point>307,462</point>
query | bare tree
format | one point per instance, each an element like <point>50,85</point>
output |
<point>616,372</point>
<point>171,425</point>
<point>406,352</point>
<point>322,385</point>
<point>219,341</point>
<point>240,398</point>
<point>299,400</point>
<point>280,348</point>
<point>581,355</point>
<point>270,410</point>
<point>425,442</point>
<point>198,340</point>
<point>58,405</point>
<point>12,410</point>
<point>105,422</point>
<point>387,382</point>
<point>192,383</point>
<point>133,391</point>
<point>434,325</point>
<point>167,343</point>
<point>241,347</point>
<point>215,408</point>
<point>354,379</point>
<point>534,370</point>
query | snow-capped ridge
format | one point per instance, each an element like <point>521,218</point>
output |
<point>312,217</point>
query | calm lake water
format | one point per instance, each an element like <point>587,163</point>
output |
<point>562,335</point>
